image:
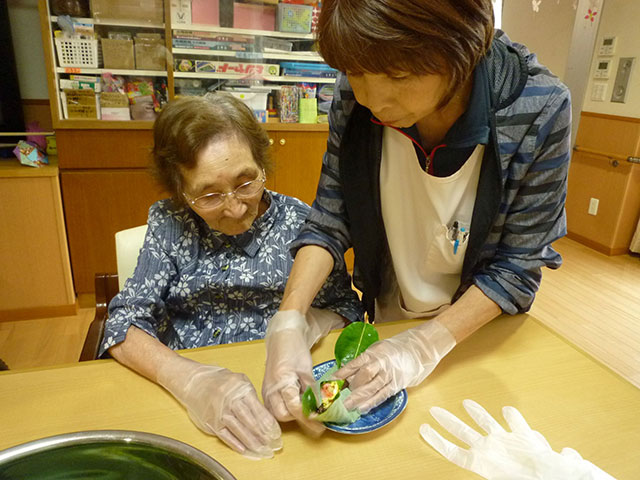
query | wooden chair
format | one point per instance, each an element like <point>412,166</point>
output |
<point>107,285</point>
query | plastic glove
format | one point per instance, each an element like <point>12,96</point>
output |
<point>522,454</point>
<point>223,403</point>
<point>289,368</point>
<point>390,365</point>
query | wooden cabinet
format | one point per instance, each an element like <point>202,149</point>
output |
<point>298,161</point>
<point>35,275</point>
<point>600,170</point>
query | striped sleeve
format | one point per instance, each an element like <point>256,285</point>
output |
<point>327,224</point>
<point>532,214</point>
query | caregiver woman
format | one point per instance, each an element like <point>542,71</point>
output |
<point>446,170</point>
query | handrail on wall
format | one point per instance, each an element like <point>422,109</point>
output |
<point>611,156</point>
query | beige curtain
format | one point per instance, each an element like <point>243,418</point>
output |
<point>635,242</point>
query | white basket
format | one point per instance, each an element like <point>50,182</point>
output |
<point>77,52</point>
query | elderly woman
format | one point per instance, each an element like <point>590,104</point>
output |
<point>213,268</point>
<point>446,170</point>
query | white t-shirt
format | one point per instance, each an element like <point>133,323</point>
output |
<point>427,222</point>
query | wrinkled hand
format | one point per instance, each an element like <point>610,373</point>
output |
<point>225,404</point>
<point>521,454</point>
<point>288,371</point>
<point>390,365</point>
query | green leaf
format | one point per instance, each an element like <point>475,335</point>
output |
<point>309,403</point>
<point>354,340</point>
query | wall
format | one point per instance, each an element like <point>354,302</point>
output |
<point>27,45</point>
<point>620,18</point>
<point>547,32</point>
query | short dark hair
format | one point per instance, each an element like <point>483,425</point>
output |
<point>406,36</point>
<point>188,124</point>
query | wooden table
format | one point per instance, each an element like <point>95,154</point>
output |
<point>564,394</point>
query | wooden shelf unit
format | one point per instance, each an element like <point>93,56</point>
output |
<point>54,71</point>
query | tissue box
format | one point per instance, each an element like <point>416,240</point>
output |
<point>254,100</point>
<point>118,54</point>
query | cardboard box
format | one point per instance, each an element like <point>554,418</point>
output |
<point>206,12</point>
<point>114,106</point>
<point>254,17</point>
<point>118,54</point>
<point>150,53</point>
<point>114,100</point>
<point>80,103</point>
<point>151,11</point>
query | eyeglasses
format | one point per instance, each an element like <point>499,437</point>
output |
<point>209,201</point>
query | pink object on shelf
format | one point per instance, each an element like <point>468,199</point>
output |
<point>206,12</point>
<point>254,17</point>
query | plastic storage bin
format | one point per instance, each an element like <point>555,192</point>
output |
<point>77,52</point>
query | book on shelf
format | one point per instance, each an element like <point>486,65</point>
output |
<point>220,37</point>
<point>211,45</point>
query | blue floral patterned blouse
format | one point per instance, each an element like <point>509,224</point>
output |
<point>194,286</point>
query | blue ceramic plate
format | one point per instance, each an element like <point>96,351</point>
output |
<point>373,420</point>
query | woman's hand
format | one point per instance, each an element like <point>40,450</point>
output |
<point>288,371</point>
<point>223,403</point>
<point>390,365</point>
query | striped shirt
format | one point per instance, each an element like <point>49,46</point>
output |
<point>521,194</point>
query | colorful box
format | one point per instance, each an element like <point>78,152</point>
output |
<point>294,18</point>
<point>254,17</point>
<point>237,68</point>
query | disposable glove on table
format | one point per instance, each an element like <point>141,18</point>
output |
<point>223,403</point>
<point>289,368</point>
<point>390,365</point>
<point>521,454</point>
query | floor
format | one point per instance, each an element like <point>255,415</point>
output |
<point>593,301</point>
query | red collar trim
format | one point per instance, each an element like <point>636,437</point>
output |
<point>429,156</point>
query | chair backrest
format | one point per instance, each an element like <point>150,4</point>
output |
<point>128,244</point>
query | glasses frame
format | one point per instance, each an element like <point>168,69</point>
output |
<point>223,196</point>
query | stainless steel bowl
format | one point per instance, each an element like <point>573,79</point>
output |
<point>109,454</point>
